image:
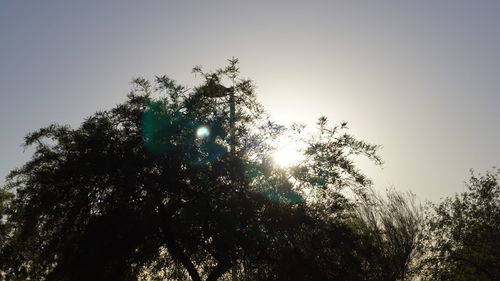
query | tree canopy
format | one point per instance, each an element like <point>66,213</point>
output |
<point>138,192</point>
<point>463,233</point>
<point>179,183</point>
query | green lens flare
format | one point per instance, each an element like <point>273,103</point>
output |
<point>168,132</point>
<point>202,132</point>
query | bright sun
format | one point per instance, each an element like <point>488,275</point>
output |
<point>287,154</point>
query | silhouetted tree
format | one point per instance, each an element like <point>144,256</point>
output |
<point>463,233</point>
<point>391,229</point>
<point>313,239</point>
<point>177,183</point>
<point>5,197</point>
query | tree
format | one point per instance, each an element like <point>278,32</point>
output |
<point>463,233</point>
<point>391,231</point>
<point>5,197</point>
<point>166,186</point>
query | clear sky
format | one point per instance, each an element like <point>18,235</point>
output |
<point>422,78</point>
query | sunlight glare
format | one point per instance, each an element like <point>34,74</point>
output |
<point>287,154</point>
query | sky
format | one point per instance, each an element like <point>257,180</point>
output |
<point>421,78</point>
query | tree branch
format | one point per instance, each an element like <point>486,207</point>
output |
<point>174,249</point>
<point>218,271</point>
<point>178,254</point>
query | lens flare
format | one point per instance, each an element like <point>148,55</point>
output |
<point>202,132</point>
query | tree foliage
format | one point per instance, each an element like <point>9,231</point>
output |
<point>134,193</point>
<point>463,233</point>
<point>392,230</point>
